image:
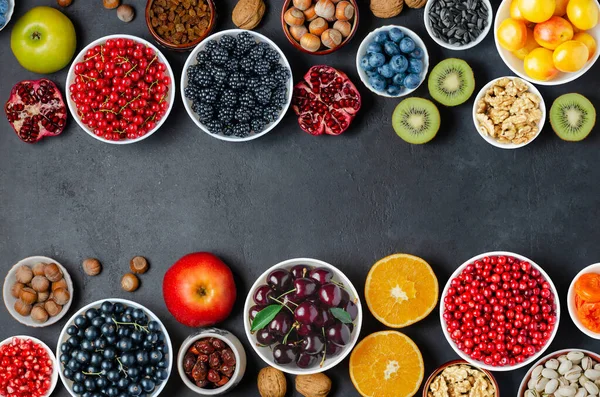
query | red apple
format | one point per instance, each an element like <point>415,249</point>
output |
<point>199,290</point>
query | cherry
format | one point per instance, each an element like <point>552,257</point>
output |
<point>324,318</point>
<point>306,313</point>
<point>313,344</point>
<point>281,324</point>
<point>305,287</point>
<point>330,295</point>
<point>321,275</point>
<point>265,337</point>
<point>279,279</point>
<point>285,354</point>
<point>333,349</point>
<point>304,329</point>
<point>254,311</point>
<point>306,360</point>
<point>351,308</point>
<point>263,294</point>
<point>338,333</point>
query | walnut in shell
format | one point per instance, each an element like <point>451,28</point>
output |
<point>271,383</point>
<point>317,385</point>
<point>415,3</point>
<point>386,8</point>
<point>247,14</point>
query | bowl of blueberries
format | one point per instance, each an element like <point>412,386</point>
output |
<point>114,347</point>
<point>6,10</point>
<point>392,61</point>
<point>303,316</point>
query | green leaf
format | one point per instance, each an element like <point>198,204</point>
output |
<point>341,315</point>
<point>265,316</point>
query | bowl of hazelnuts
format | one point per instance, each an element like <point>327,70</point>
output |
<point>319,27</point>
<point>38,291</point>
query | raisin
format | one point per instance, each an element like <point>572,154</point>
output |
<point>204,347</point>
<point>213,376</point>
<point>228,357</point>
<point>188,363</point>
<point>214,360</point>
<point>227,370</point>
<point>218,344</point>
<point>199,371</point>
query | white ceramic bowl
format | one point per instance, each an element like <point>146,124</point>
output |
<point>55,364</point>
<point>491,140</point>
<point>265,352</point>
<point>71,78</point>
<point>9,12</point>
<point>527,377</point>
<point>595,268</point>
<point>484,32</point>
<point>9,300</point>
<point>362,50</point>
<point>479,363</point>
<point>192,61</point>
<point>232,341</point>
<point>516,65</point>
<point>64,336</point>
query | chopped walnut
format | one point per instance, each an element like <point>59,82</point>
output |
<point>461,381</point>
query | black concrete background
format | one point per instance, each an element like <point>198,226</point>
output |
<point>348,200</point>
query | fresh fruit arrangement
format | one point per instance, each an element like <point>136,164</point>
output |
<point>238,86</point>
<point>114,349</point>
<point>573,117</point>
<point>326,101</point>
<point>26,368</point>
<point>587,300</point>
<point>393,62</point>
<point>209,363</point>
<point>304,314</point>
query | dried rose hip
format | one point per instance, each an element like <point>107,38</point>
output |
<point>209,363</point>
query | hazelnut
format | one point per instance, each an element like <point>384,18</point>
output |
<point>130,282</point>
<point>294,17</point>
<point>38,269</point>
<point>298,31</point>
<point>40,283</point>
<point>325,9</point>
<point>302,4</point>
<point>64,3</point>
<point>28,295</point>
<point>138,265</point>
<point>310,42</point>
<point>61,296</point>
<point>344,27</point>
<point>110,4</point>
<point>344,11</point>
<point>310,14</point>
<point>125,13</point>
<point>24,274</point>
<point>52,272</point>
<point>331,38</point>
<point>16,288</point>
<point>52,308</point>
<point>318,26</point>
<point>22,308</point>
<point>43,296</point>
<point>91,266</point>
<point>39,314</point>
<point>62,283</point>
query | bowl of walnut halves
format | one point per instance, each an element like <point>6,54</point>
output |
<point>458,378</point>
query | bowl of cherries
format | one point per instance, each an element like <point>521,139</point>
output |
<point>121,89</point>
<point>303,316</point>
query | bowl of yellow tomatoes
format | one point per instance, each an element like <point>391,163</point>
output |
<point>548,42</point>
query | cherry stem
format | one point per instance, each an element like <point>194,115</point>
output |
<point>324,351</point>
<point>286,293</point>
<point>294,326</point>
<point>282,304</point>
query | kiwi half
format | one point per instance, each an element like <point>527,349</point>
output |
<point>416,120</point>
<point>572,117</point>
<point>451,82</point>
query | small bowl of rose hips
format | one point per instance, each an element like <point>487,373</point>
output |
<point>211,362</point>
<point>303,316</point>
<point>500,311</point>
<point>121,89</point>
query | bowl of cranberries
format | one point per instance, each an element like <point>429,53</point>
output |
<point>303,316</point>
<point>121,89</point>
<point>500,311</point>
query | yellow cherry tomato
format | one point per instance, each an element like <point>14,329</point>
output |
<point>537,10</point>
<point>515,13</point>
<point>539,65</point>
<point>512,34</point>
<point>530,45</point>
<point>570,56</point>
<point>589,42</point>
<point>583,13</point>
<point>561,7</point>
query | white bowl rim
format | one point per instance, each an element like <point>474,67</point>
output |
<point>55,363</point>
<point>594,268</point>
<point>192,59</point>
<point>479,363</point>
<point>71,78</point>
<point>328,363</point>
<point>7,297</point>
<point>570,76</point>
<point>362,51</point>
<point>126,302</point>
<point>533,89</point>
<point>238,358</point>
<point>9,13</point>
<point>483,35</point>
<point>523,385</point>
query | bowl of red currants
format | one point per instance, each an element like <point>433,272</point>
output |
<point>303,316</point>
<point>120,88</point>
<point>500,311</point>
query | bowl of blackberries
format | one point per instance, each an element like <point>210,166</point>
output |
<point>303,316</point>
<point>114,347</point>
<point>236,85</point>
<point>392,61</point>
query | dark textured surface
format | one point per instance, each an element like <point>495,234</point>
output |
<point>348,200</point>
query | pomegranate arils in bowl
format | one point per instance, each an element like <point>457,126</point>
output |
<point>36,109</point>
<point>326,101</point>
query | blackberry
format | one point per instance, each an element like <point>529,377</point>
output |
<point>271,55</point>
<point>256,52</point>
<point>241,130</point>
<point>228,98</point>
<point>261,67</point>
<point>205,111</point>
<point>211,45</point>
<point>219,55</point>
<point>214,126</point>
<point>233,65</point>
<point>227,42</point>
<point>201,78</point>
<point>247,100</point>
<point>191,92</point>
<point>280,73</point>
<point>253,81</point>
<point>271,113</point>
<point>243,115</point>
<point>270,81</point>
<point>244,42</point>
<point>209,95</point>
<point>203,57</point>
<point>236,81</point>
<point>257,112</point>
<point>279,97</point>
<point>225,115</point>
<point>193,71</point>
<point>228,131</point>
<point>219,75</point>
<point>247,65</point>
<point>262,93</point>
<point>258,125</point>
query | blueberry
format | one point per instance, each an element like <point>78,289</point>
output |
<point>137,337</point>
<point>141,357</point>
<point>83,357</point>
<point>391,48</point>
<point>108,329</point>
<point>128,359</point>
<point>371,73</point>
<point>417,53</point>
<point>101,382</point>
<point>407,45</point>
<point>69,373</point>
<point>96,358</point>
<point>396,34</point>
<point>133,372</point>
<point>78,388</point>
<point>149,371</point>
<point>91,314</point>
<point>399,63</point>
<point>123,383</point>
<point>134,389</point>
<point>381,37</point>
<point>98,321</point>
<point>374,47</point>
<point>153,326</point>
<point>364,63</point>
<point>125,344</point>
<point>72,330</point>
<point>378,83</point>
<point>112,391</point>
<point>376,60</point>
<point>415,66</point>
<point>394,90</point>
<point>155,356</point>
<point>89,384</point>
<point>124,331</point>
<point>118,308</point>
<point>92,333</point>
<point>79,377</point>
<point>65,347</point>
<point>107,365</point>
<point>162,364</point>
<point>412,81</point>
<point>74,341</point>
<point>64,358</point>
<point>100,343</point>
<point>386,71</point>
<point>161,374</point>
<point>80,321</point>
<point>148,385</point>
<point>107,307</point>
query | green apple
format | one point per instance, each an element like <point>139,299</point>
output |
<point>43,40</point>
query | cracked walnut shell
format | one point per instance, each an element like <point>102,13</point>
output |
<point>386,8</point>
<point>247,14</point>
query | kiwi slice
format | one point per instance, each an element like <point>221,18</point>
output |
<point>416,120</point>
<point>572,117</point>
<point>451,82</point>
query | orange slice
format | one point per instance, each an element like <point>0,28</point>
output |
<point>401,289</point>
<point>386,364</point>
